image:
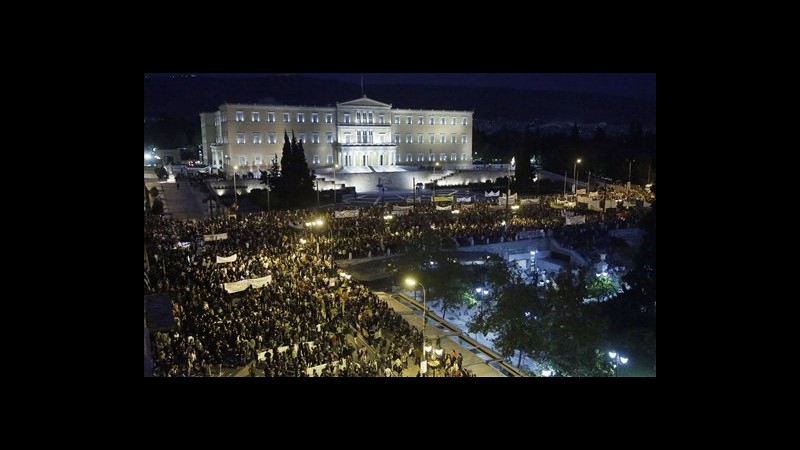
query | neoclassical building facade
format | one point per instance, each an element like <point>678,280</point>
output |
<point>358,133</point>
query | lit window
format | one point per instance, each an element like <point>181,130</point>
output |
<point>346,118</point>
<point>433,120</point>
<point>314,118</point>
<point>301,138</point>
<point>419,138</point>
<point>452,121</point>
<point>443,157</point>
<point>432,138</point>
<point>347,138</point>
<point>420,120</point>
<point>240,116</point>
<point>409,157</point>
<point>409,139</point>
<point>330,159</point>
<point>397,138</point>
<point>381,118</point>
<point>328,118</point>
<point>240,138</point>
<point>256,116</point>
<point>397,120</point>
<point>287,117</point>
<point>421,157</point>
<point>329,138</point>
<point>442,138</point>
<point>258,160</point>
<point>408,120</point>
<point>242,160</point>
<point>370,136</point>
<point>272,138</point>
<point>256,138</point>
<point>315,138</point>
<point>301,117</point>
<point>453,157</point>
<point>370,117</point>
<point>270,117</point>
<point>442,120</point>
<point>463,156</point>
<point>431,157</point>
<point>452,138</point>
<point>315,159</point>
<point>463,138</point>
<point>463,121</point>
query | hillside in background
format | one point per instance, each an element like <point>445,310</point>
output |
<point>186,97</point>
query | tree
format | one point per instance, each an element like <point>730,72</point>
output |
<point>523,170</point>
<point>294,186</point>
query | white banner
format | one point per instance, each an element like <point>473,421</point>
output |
<point>594,205</point>
<point>527,201</point>
<point>444,208</point>
<point>226,259</point>
<point>215,237</point>
<point>495,207</point>
<point>532,234</point>
<point>238,286</point>
<point>575,220</point>
<point>345,213</point>
<point>402,208</point>
<point>511,199</point>
<point>401,212</point>
<point>491,194</point>
<point>583,199</point>
<point>464,199</point>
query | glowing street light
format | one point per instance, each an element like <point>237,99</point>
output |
<point>618,359</point>
<point>411,283</point>
<point>574,176</point>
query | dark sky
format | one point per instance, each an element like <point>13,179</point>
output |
<point>639,85</point>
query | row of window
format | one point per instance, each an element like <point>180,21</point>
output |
<point>255,116</point>
<point>362,137</point>
<point>361,118</point>
<point>443,157</point>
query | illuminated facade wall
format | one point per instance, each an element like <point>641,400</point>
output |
<point>358,133</point>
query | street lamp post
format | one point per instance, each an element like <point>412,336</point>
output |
<point>618,359</point>
<point>575,176</point>
<point>412,283</point>
<point>629,172</point>
<point>235,201</point>
<point>434,180</point>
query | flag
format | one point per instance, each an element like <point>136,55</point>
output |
<point>512,160</point>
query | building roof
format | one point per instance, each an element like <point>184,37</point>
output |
<point>364,101</point>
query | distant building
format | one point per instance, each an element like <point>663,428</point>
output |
<point>361,132</point>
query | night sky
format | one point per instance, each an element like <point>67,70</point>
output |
<point>637,85</point>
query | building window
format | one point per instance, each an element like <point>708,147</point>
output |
<point>397,120</point>
<point>358,116</point>
<point>240,116</point>
<point>256,116</point>
<point>442,138</point>
<point>315,159</point>
<point>382,138</point>
<point>272,138</point>
<point>287,117</point>
<point>431,138</point>
<point>409,139</point>
<point>421,157</point>
<point>358,135</point>
<point>370,117</point>
<point>347,138</point>
<point>463,156</point>
<point>431,157</point>
<point>409,157</point>
<point>419,138</point>
<point>242,160</point>
<point>301,138</point>
<point>408,120</point>
<point>381,119</point>
<point>452,138</point>
<point>463,121</point>
<point>443,121</point>
<point>270,117</point>
<point>330,159</point>
<point>329,138</point>
<point>442,156</point>
<point>315,138</point>
<point>301,117</point>
<point>240,138</point>
<point>452,121</point>
<point>328,117</point>
<point>397,138</point>
<point>314,118</point>
<point>370,137</point>
<point>463,138</point>
<point>453,157</point>
<point>346,118</point>
<point>420,120</point>
<point>433,120</point>
<point>256,138</point>
<point>258,160</point>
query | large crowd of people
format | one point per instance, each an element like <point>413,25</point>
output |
<point>309,320</point>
